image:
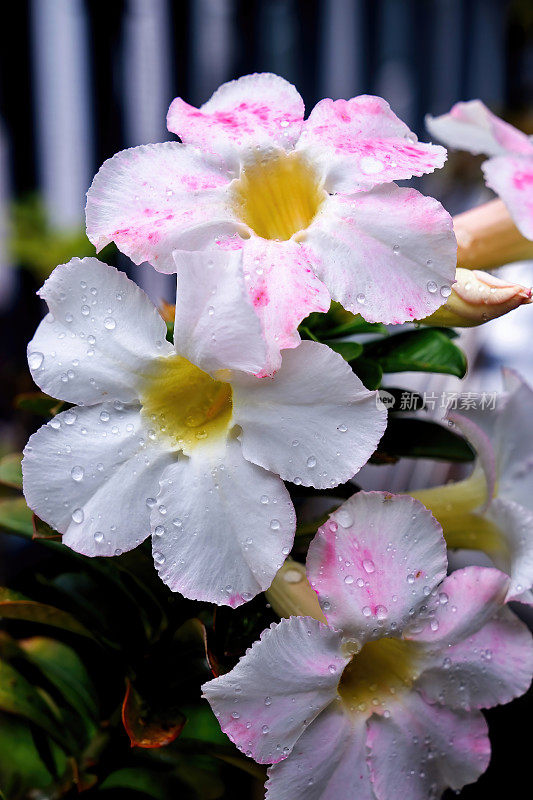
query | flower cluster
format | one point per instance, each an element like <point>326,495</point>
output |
<point>266,218</point>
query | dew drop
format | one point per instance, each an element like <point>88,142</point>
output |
<point>77,473</point>
<point>348,579</point>
<point>311,462</point>
<point>432,287</point>
<point>78,516</point>
<point>275,524</point>
<point>368,566</point>
<point>110,324</point>
<point>35,360</point>
<point>98,537</point>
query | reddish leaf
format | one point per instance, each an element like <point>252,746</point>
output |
<point>149,727</point>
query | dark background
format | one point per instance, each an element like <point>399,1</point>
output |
<point>82,79</point>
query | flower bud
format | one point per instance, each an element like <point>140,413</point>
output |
<point>478,297</point>
<point>291,594</point>
<point>487,237</point>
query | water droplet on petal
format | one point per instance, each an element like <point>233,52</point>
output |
<point>77,473</point>
<point>35,360</point>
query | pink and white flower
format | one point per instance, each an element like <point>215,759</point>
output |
<point>311,204</point>
<point>384,700</point>
<point>492,510</point>
<point>181,441</point>
<point>509,168</point>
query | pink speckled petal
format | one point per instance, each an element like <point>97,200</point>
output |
<point>278,687</point>
<point>360,143</point>
<point>512,178</point>
<point>374,563</point>
<point>252,113</point>
<point>313,423</point>
<point>385,254</point>
<point>99,337</point>
<point>328,762</point>
<point>490,667</point>
<point>88,474</point>
<point>465,601</point>
<point>283,289</point>
<point>216,326</point>
<point>515,554</point>
<point>422,749</point>
<point>471,126</point>
<point>157,198</point>
<point>213,537</point>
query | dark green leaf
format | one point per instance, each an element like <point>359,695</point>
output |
<point>15,516</point>
<point>139,779</point>
<point>40,404</point>
<point>368,371</point>
<point>357,325</point>
<point>15,606</point>
<point>420,350</point>
<point>10,471</point>
<point>19,697</point>
<point>21,767</point>
<point>348,350</point>
<point>64,669</point>
<point>417,438</point>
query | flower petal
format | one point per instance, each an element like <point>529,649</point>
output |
<point>384,254</point>
<point>471,126</point>
<point>216,326</point>
<point>466,600</point>
<point>420,750</point>
<point>360,143</point>
<point>328,762</point>
<point>283,289</point>
<point>515,556</point>
<point>482,443</point>
<point>222,527</point>
<point>512,178</point>
<point>90,473</point>
<point>154,199</point>
<point>254,112</point>
<point>313,423</point>
<point>375,562</point>
<point>492,666</point>
<point>101,333</point>
<point>278,688</point>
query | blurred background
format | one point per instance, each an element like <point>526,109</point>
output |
<point>82,79</point>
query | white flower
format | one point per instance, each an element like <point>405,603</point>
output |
<point>182,442</point>
<point>312,204</point>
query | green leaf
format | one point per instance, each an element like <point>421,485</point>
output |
<point>348,350</point>
<point>63,668</point>
<point>13,605</point>
<point>15,516</point>
<point>417,438</point>
<point>10,470</point>
<point>19,697</point>
<point>139,779</point>
<point>420,350</point>
<point>357,325</point>
<point>368,371</point>
<point>21,767</point>
<point>202,725</point>
<point>40,404</point>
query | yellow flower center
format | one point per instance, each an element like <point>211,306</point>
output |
<point>278,197</point>
<point>186,404</point>
<point>381,670</point>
